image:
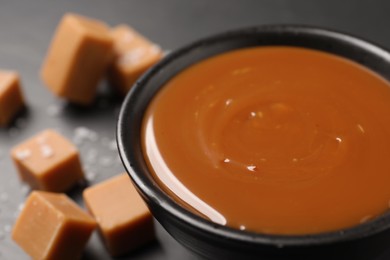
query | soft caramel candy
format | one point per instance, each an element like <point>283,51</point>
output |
<point>134,55</point>
<point>52,227</point>
<point>79,54</point>
<point>124,220</point>
<point>48,161</point>
<point>11,97</point>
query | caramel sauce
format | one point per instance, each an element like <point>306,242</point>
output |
<point>278,140</point>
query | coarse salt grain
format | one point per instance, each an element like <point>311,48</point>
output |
<point>90,176</point>
<point>46,151</point>
<point>21,206</point>
<point>155,49</point>
<point>24,189</point>
<point>112,145</point>
<point>23,154</point>
<point>105,161</point>
<point>132,57</point>
<point>82,134</point>
<point>7,228</point>
<point>91,155</point>
<point>128,37</point>
<point>53,110</point>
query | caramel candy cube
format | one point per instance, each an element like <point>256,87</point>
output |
<point>11,98</point>
<point>48,161</point>
<point>134,55</point>
<point>124,220</point>
<point>80,52</point>
<point>52,226</point>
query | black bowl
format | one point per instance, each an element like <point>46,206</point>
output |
<point>211,240</point>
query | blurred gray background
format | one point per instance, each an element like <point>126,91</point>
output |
<point>26,28</point>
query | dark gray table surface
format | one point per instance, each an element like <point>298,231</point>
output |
<point>26,28</point>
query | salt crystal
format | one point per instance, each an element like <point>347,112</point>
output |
<point>82,134</point>
<point>46,151</point>
<point>81,131</point>
<point>112,145</point>
<point>90,176</point>
<point>105,161</point>
<point>7,228</point>
<point>21,206</point>
<point>132,57</point>
<point>24,189</point>
<point>155,49</point>
<point>242,227</point>
<point>23,154</point>
<point>53,110</point>
<point>128,37</point>
<point>91,155</point>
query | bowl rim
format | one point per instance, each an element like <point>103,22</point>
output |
<point>157,197</point>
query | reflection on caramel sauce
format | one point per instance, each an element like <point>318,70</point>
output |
<point>279,140</point>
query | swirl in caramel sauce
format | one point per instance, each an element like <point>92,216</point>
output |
<point>278,140</point>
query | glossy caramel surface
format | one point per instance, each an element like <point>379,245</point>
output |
<point>277,140</point>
